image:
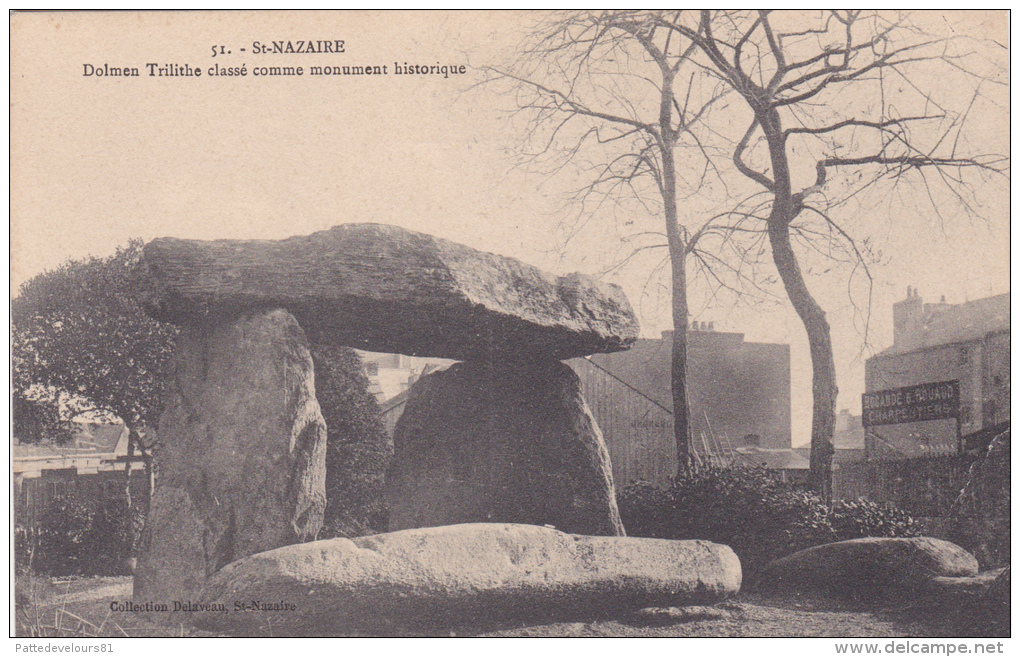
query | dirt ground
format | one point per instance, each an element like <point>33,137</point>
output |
<point>81,607</point>
<point>755,615</point>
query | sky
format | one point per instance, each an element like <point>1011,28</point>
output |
<point>96,160</point>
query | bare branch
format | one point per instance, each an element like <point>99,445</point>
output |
<point>564,103</point>
<point>857,123</point>
<point>738,161</point>
<point>901,163</point>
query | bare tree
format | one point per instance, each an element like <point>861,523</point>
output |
<point>611,84</point>
<point>828,106</point>
<point>855,90</point>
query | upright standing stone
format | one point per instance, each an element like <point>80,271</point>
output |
<point>501,442</point>
<point>241,457</point>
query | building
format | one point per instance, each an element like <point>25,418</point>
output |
<point>389,375</point>
<point>934,342</point>
<point>791,464</point>
<point>390,411</point>
<point>739,394</point>
<point>849,432</point>
<point>89,468</point>
<point>848,438</point>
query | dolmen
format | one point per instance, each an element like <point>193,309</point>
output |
<point>504,436</point>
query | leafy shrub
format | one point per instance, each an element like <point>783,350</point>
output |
<point>647,510</point>
<point>749,509</point>
<point>112,538</point>
<point>862,518</point>
<point>355,504</point>
<point>358,448</point>
<point>76,539</point>
<point>754,512</point>
<point>26,539</point>
<point>61,547</point>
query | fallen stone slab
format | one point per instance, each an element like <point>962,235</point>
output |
<point>501,442</point>
<point>866,566</point>
<point>384,288</point>
<point>473,575</point>
<point>242,454</point>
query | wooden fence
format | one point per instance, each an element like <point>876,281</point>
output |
<point>638,430</point>
<point>924,486</point>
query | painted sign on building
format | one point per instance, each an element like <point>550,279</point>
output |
<point>918,403</point>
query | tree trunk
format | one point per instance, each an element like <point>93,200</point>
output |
<point>129,521</point>
<point>678,263</point>
<point>823,367</point>
<point>132,440</point>
<point>678,369</point>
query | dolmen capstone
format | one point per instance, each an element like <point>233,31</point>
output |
<point>384,288</point>
<point>504,436</point>
<point>471,576</point>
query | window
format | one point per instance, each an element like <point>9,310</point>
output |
<point>964,414</point>
<point>372,369</point>
<point>988,412</point>
<point>964,355</point>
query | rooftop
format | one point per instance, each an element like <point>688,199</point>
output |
<point>775,459</point>
<point>91,439</point>
<point>943,323</point>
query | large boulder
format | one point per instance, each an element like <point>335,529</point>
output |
<point>980,517</point>
<point>461,576</point>
<point>959,591</point>
<point>971,606</point>
<point>501,442</point>
<point>384,288</point>
<point>241,459</point>
<point>865,566</point>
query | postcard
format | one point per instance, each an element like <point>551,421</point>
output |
<point>511,323</point>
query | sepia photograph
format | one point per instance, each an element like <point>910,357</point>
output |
<point>684,324</point>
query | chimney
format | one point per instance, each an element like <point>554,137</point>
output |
<point>907,319</point>
<point>843,420</point>
<point>933,310</point>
